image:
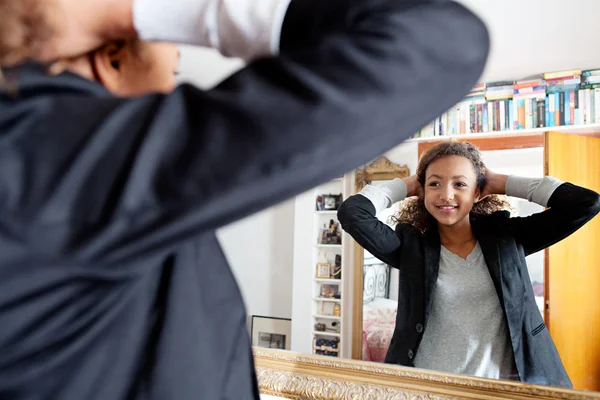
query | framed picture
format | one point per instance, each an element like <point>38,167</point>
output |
<point>331,201</point>
<point>323,270</point>
<point>330,291</point>
<point>271,332</point>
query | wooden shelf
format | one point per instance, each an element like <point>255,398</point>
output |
<point>327,317</point>
<point>326,212</point>
<point>317,333</point>
<point>573,129</point>
<point>327,299</point>
<point>319,307</point>
<point>332,281</point>
<point>329,246</point>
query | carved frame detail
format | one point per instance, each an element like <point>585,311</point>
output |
<point>379,170</point>
<point>293,376</point>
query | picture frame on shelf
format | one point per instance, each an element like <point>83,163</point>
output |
<point>327,308</point>
<point>271,332</point>
<point>330,291</point>
<point>331,202</point>
<point>331,234</point>
<point>323,270</point>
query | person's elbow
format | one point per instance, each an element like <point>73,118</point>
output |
<point>344,213</point>
<point>594,204</point>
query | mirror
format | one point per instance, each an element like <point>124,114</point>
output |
<point>563,278</point>
<point>274,253</point>
<point>351,314</point>
<point>375,284</point>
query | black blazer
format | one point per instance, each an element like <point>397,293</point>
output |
<point>505,243</point>
<point>112,282</point>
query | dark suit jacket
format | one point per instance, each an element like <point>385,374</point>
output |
<point>112,282</point>
<point>505,243</point>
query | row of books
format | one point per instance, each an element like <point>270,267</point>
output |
<point>553,99</point>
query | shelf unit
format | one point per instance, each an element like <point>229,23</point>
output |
<point>316,298</point>
<point>325,280</point>
<point>331,334</point>
<point>588,129</point>
<point>327,290</point>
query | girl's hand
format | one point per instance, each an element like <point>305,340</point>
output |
<point>414,187</point>
<point>496,184</point>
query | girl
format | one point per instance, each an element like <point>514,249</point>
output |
<point>466,304</point>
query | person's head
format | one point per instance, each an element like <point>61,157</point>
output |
<point>453,177</point>
<point>126,67</point>
<point>129,67</point>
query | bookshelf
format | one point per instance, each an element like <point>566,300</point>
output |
<point>564,101</point>
<point>327,319</point>
<point>590,129</point>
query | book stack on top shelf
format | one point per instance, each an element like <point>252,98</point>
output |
<point>555,99</point>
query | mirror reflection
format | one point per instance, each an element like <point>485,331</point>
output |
<point>486,298</point>
<point>471,280</point>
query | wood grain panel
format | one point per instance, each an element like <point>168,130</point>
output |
<point>574,266</point>
<point>493,143</point>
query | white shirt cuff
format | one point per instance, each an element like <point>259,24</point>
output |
<point>246,29</point>
<point>383,196</point>
<point>535,190</point>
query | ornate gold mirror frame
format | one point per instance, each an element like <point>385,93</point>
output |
<point>293,376</point>
<point>381,169</point>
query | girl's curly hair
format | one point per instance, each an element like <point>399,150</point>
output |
<point>413,211</point>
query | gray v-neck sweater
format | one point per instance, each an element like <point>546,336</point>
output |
<point>466,330</point>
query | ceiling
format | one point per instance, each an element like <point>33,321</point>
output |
<point>530,37</point>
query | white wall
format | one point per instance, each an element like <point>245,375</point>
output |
<point>260,251</point>
<point>303,274</point>
<point>557,37</point>
<point>204,67</point>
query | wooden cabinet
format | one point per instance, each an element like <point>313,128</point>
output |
<point>573,265</point>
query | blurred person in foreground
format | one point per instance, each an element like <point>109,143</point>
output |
<point>112,181</point>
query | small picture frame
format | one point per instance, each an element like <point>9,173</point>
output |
<point>271,332</point>
<point>324,270</point>
<point>330,292</point>
<point>331,202</point>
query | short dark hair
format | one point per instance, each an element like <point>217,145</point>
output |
<point>24,29</point>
